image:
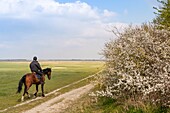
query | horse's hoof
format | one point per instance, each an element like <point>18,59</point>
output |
<point>43,95</point>
<point>29,96</point>
<point>22,99</point>
<point>35,94</point>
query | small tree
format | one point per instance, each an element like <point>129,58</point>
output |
<point>163,14</point>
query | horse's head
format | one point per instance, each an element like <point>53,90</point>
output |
<point>47,71</point>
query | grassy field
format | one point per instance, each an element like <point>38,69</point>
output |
<point>63,73</point>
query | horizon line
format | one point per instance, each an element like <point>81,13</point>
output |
<point>71,59</point>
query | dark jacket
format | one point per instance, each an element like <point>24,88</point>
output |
<point>35,67</point>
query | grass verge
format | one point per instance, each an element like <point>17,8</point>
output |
<point>88,104</point>
<point>30,105</point>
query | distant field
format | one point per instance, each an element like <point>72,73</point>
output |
<point>63,73</point>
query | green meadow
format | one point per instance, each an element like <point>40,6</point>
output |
<point>63,73</point>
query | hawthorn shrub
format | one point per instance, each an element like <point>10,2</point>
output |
<point>138,65</point>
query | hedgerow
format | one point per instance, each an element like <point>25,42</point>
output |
<point>138,65</point>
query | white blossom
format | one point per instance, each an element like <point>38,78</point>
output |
<point>138,62</point>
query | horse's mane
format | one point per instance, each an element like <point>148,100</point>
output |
<point>46,70</point>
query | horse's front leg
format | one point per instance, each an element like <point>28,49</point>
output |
<point>35,94</point>
<point>42,88</point>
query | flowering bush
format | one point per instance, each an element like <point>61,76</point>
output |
<point>138,65</point>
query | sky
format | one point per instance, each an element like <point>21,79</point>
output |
<point>65,29</point>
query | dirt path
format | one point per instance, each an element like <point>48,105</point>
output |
<point>61,102</point>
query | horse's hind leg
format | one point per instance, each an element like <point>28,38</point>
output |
<point>28,94</point>
<point>22,98</point>
<point>28,87</point>
<point>25,90</point>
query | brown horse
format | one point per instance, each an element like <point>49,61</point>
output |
<point>29,79</point>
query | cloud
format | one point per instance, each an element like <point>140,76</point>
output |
<point>34,8</point>
<point>107,13</point>
<point>53,30</point>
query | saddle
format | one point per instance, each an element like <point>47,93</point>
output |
<point>38,76</point>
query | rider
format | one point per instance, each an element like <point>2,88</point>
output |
<point>35,67</point>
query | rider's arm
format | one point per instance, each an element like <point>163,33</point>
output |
<point>38,66</point>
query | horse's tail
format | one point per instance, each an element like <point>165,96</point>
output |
<point>22,80</point>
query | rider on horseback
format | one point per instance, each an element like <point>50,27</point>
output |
<point>35,67</point>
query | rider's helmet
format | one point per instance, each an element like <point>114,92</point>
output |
<point>35,58</point>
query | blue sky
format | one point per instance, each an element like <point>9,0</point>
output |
<point>65,29</point>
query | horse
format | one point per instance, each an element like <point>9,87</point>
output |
<point>29,79</point>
